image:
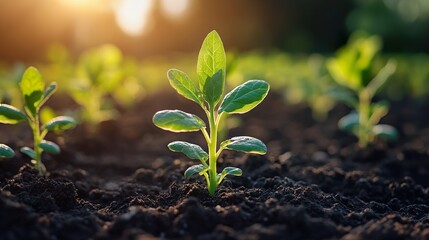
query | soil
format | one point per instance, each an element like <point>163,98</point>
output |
<point>119,181</point>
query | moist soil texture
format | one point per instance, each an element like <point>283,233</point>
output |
<point>119,181</point>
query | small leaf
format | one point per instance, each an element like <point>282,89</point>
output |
<point>195,169</point>
<point>229,171</point>
<point>29,152</point>
<point>343,96</point>
<point>177,121</point>
<point>192,151</point>
<point>213,88</point>
<point>10,114</point>
<point>6,151</point>
<point>60,123</point>
<point>245,144</point>
<point>50,147</point>
<point>48,92</point>
<point>245,97</point>
<point>183,85</point>
<point>32,87</point>
<point>350,122</point>
<point>385,131</point>
<point>211,59</point>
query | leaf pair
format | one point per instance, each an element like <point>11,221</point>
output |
<point>351,124</point>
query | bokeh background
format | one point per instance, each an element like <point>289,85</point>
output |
<point>144,28</point>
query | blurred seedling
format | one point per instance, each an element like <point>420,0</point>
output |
<point>207,94</point>
<point>102,74</point>
<point>352,68</point>
<point>35,95</point>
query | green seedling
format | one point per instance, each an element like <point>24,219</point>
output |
<point>351,68</point>
<point>208,94</point>
<point>101,74</point>
<point>35,95</point>
<point>6,151</point>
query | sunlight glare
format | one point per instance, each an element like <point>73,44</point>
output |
<point>175,8</point>
<point>132,16</point>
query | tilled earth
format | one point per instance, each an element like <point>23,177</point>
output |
<point>119,181</point>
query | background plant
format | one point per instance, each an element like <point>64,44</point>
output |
<point>35,95</point>
<point>352,68</point>
<point>207,94</point>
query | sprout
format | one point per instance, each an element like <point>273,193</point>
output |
<point>35,94</point>
<point>208,94</point>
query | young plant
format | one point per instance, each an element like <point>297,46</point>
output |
<point>351,68</point>
<point>35,95</point>
<point>6,151</point>
<point>211,74</point>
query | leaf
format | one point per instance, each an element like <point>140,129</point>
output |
<point>245,97</point>
<point>6,151</point>
<point>213,88</point>
<point>343,96</point>
<point>245,144</point>
<point>32,87</point>
<point>177,121</point>
<point>385,131</point>
<point>50,147</point>
<point>211,59</point>
<point>195,169</point>
<point>10,114</point>
<point>48,92</point>
<point>183,85</point>
<point>229,171</point>
<point>350,122</point>
<point>29,152</point>
<point>192,151</point>
<point>60,123</point>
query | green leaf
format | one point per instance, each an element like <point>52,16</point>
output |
<point>386,132</point>
<point>50,147</point>
<point>213,88</point>
<point>245,144</point>
<point>350,122</point>
<point>183,85</point>
<point>6,151</point>
<point>229,171</point>
<point>343,96</point>
<point>10,114</point>
<point>60,123</point>
<point>245,97</point>
<point>192,151</point>
<point>177,121</point>
<point>195,169</point>
<point>211,59</point>
<point>48,92</point>
<point>29,152</point>
<point>32,87</point>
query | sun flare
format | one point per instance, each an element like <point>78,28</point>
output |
<point>132,16</point>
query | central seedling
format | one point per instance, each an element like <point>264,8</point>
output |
<point>208,93</point>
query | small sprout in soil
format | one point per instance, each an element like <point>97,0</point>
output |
<point>208,94</point>
<point>35,95</point>
<point>6,151</point>
<point>351,68</point>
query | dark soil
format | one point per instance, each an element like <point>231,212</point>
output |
<point>119,181</point>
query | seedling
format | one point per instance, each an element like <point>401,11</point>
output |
<point>6,151</point>
<point>211,74</point>
<point>35,95</point>
<point>351,68</point>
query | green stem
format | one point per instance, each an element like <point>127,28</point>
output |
<point>37,141</point>
<point>212,145</point>
<point>364,112</point>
